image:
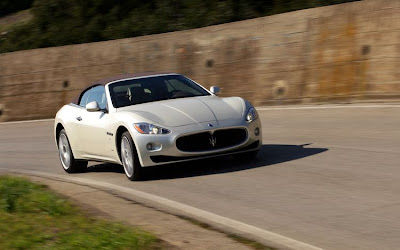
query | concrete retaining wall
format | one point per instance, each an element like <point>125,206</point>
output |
<point>342,52</point>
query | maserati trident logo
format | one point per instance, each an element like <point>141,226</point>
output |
<point>213,141</point>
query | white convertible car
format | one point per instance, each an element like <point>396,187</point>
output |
<point>153,119</point>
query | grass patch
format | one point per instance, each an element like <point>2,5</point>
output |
<point>33,217</point>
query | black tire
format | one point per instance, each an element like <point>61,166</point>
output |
<point>68,161</point>
<point>129,158</point>
<point>247,156</point>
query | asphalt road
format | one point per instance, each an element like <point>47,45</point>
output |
<point>329,177</point>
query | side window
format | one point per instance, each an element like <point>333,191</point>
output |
<point>98,94</point>
<point>84,98</point>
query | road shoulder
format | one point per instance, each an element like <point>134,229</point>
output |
<point>180,233</point>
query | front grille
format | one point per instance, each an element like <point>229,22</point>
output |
<point>206,141</point>
<point>167,158</point>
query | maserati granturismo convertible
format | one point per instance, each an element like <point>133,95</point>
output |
<point>152,119</point>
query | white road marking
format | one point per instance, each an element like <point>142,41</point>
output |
<point>28,121</point>
<point>327,107</point>
<point>207,216</point>
<point>265,108</point>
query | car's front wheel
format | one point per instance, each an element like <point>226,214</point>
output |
<point>68,162</point>
<point>129,158</point>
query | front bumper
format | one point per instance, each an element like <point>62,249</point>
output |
<point>164,148</point>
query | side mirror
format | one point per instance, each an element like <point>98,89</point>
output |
<point>215,90</point>
<point>92,106</point>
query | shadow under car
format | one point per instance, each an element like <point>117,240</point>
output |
<point>269,154</point>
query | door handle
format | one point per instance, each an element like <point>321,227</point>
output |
<point>79,118</point>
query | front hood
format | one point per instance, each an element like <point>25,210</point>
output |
<point>190,110</point>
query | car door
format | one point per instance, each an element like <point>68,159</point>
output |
<point>92,126</point>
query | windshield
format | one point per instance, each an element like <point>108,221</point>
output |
<point>153,88</point>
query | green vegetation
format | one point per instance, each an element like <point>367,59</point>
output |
<point>32,217</point>
<point>62,22</point>
<point>15,20</point>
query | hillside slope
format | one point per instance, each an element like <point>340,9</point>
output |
<point>57,23</point>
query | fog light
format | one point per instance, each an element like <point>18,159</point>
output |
<point>149,146</point>
<point>257,131</point>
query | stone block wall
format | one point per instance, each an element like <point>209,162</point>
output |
<point>342,52</point>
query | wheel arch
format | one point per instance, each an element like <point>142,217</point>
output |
<point>122,128</point>
<point>118,136</point>
<point>59,127</point>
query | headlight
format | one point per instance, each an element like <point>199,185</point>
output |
<point>251,115</point>
<point>146,128</point>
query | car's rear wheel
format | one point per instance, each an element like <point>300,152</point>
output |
<point>68,162</point>
<point>129,158</point>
